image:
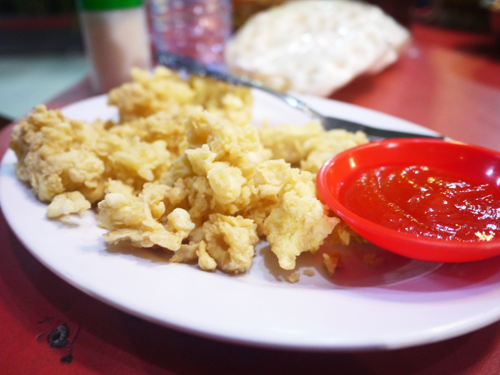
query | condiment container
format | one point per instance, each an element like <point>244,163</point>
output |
<point>116,40</point>
<point>475,166</point>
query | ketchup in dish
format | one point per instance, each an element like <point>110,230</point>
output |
<point>425,201</point>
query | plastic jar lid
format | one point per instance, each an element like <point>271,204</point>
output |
<point>107,4</point>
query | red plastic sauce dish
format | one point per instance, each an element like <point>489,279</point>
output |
<point>425,199</point>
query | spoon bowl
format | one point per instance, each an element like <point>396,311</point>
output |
<point>467,161</point>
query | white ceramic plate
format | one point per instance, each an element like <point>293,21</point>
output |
<point>396,304</point>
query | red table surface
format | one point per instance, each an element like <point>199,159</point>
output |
<point>448,81</point>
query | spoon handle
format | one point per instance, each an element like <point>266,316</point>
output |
<point>185,63</point>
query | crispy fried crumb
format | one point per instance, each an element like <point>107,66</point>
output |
<point>67,203</point>
<point>309,272</point>
<point>299,222</point>
<point>205,261</point>
<point>330,261</point>
<point>344,235</point>
<point>184,169</point>
<point>293,277</point>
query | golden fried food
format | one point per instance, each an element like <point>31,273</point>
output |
<point>184,170</point>
<point>67,203</point>
<point>166,91</point>
<point>293,277</point>
<point>330,261</point>
<point>55,155</point>
<point>299,222</point>
<point>308,147</point>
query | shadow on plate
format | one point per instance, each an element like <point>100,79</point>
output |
<point>367,265</point>
<point>364,265</point>
<point>360,265</point>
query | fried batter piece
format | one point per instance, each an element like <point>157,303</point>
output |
<point>58,155</point>
<point>55,155</point>
<point>67,203</point>
<point>160,126</point>
<point>217,166</point>
<point>269,178</point>
<point>286,141</point>
<point>299,222</point>
<point>165,90</point>
<point>230,241</point>
<point>210,182</point>
<point>205,261</point>
<point>229,188</point>
<point>185,171</point>
<point>308,146</point>
<point>137,219</point>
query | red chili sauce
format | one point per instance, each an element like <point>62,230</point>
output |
<point>426,202</point>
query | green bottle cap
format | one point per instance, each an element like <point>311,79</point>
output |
<point>107,4</point>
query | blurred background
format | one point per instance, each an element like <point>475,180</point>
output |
<point>42,53</point>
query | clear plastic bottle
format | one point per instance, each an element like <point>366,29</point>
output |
<point>195,28</point>
<point>116,40</point>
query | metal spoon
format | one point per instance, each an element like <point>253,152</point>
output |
<point>184,63</point>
